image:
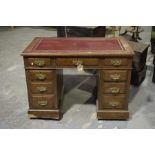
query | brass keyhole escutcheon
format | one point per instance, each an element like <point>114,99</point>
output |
<point>78,63</point>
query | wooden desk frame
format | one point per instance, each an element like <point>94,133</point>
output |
<point>44,77</point>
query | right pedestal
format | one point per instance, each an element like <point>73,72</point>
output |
<point>113,92</point>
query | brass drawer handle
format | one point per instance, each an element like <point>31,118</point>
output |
<point>116,62</point>
<point>39,62</point>
<point>42,103</point>
<point>40,77</point>
<point>78,63</point>
<point>74,61</point>
<point>114,103</point>
<point>114,90</point>
<point>42,89</point>
<point>115,76</point>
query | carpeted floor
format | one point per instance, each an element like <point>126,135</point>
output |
<point>79,109</point>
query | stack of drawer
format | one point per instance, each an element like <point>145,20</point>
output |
<point>113,87</point>
<point>42,86</point>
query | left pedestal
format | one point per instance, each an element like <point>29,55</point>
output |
<point>44,86</point>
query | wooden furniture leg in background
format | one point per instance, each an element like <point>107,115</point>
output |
<point>153,78</point>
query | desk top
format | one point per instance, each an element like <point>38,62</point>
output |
<point>78,47</point>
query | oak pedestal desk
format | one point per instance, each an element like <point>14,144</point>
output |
<point>45,58</point>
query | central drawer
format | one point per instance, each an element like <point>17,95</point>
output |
<point>71,62</point>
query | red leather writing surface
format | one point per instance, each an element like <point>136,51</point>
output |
<point>76,44</point>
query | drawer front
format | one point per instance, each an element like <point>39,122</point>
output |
<point>38,62</point>
<point>116,62</point>
<point>75,61</point>
<point>113,102</point>
<point>43,102</point>
<point>115,75</point>
<point>41,75</point>
<point>114,88</point>
<point>43,88</point>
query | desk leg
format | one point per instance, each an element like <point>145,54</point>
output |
<point>153,78</point>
